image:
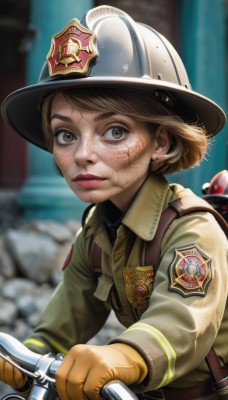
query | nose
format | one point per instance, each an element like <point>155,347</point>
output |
<point>85,151</point>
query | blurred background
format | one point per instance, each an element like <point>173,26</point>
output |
<point>196,28</point>
<point>38,213</point>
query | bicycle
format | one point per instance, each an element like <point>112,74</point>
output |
<point>41,370</point>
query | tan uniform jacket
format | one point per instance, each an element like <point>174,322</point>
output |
<point>172,320</point>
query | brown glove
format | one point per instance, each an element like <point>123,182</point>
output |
<point>86,369</point>
<point>13,377</point>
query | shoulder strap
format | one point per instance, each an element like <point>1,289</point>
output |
<point>96,258</point>
<point>178,208</point>
<point>220,374</point>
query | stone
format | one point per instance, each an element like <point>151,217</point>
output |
<point>7,266</point>
<point>8,312</point>
<point>33,253</point>
<point>61,233</point>
<point>15,288</point>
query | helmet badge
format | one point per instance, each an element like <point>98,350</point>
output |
<point>72,50</point>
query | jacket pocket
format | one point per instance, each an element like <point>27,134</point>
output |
<point>106,292</point>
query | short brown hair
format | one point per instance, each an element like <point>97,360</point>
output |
<point>189,142</point>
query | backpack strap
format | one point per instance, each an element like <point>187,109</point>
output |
<point>220,374</point>
<point>178,208</point>
<point>96,258</point>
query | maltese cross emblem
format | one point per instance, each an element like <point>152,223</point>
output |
<point>72,50</point>
<point>190,272</point>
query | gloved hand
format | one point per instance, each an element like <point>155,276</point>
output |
<point>87,368</point>
<point>13,377</point>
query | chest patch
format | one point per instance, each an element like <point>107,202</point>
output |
<point>190,272</point>
<point>139,282</point>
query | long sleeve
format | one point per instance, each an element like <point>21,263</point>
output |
<point>73,314</point>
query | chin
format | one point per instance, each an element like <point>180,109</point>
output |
<point>90,198</point>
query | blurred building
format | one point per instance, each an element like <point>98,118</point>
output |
<point>196,28</point>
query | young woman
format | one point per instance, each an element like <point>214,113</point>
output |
<point>116,123</point>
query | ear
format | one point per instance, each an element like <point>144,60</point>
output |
<point>162,140</point>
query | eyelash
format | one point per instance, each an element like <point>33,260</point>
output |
<point>58,132</point>
<point>120,126</point>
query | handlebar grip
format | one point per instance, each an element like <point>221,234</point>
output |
<point>18,352</point>
<point>117,390</point>
<point>113,390</point>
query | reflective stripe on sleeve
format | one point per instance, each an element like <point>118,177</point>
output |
<point>34,342</point>
<point>166,346</point>
<point>58,347</point>
<point>54,344</point>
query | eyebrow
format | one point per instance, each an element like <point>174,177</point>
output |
<point>62,117</point>
<point>99,117</point>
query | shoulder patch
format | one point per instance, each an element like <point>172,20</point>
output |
<point>68,257</point>
<point>190,272</point>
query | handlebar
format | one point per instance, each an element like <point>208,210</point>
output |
<point>42,370</point>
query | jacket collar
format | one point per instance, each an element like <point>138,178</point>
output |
<point>144,213</point>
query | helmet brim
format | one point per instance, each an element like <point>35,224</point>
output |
<point>21,108</point>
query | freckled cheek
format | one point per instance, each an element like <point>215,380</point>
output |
<point>127,155</point>
<point>116,160</point>
<point>62,160</point>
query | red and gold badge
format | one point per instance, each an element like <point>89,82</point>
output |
<point>72,50</point>
<point>190,271</point>
<point>139,282</point>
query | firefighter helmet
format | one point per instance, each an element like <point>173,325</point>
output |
<point>107,48</point>
<point>216,192</point>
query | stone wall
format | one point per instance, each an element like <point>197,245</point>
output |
<point>31,258</point>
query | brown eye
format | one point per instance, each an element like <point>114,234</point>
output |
<point>115,133</point>
<point>67,137</point>
<point>64,137</point>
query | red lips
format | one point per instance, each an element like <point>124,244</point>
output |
<point>86,177</point>
<point>87,180</point>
